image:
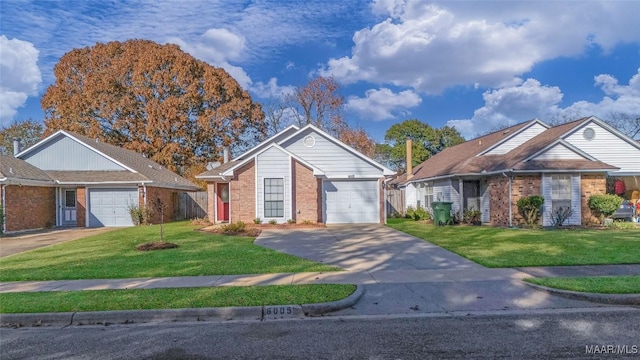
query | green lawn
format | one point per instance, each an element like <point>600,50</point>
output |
<point>593,284</point>
<point>500,247</point>
<point>113,255</point>
<point>138,299</point>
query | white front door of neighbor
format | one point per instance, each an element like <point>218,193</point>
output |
<point>69,207</point>
<point>351,201</point>
<point>110,207</point>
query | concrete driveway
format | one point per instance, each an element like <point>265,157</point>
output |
<point>364,248</point>
<point>17,243</point>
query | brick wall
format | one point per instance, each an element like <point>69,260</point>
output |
<point>167,198</point>
<point>591,184</point>
<point>81,206</point>
<point>523,186</point>
<point>242,194</point>
<point>29,207</point>
<point>306,191</point>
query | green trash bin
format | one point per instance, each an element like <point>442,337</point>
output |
<point>441,213</point>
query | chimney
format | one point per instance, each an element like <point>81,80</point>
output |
<point>16,146</point>
<point>409,160</point>
<point>225,155</point>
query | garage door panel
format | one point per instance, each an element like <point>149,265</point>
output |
<point>110,207</point>
<point>351,202</point>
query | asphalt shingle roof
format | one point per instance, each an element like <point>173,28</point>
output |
<point>17,169</point>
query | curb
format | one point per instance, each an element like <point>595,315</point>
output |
<point>255,313</point>
<point>613,299</point>
<point>323,308</point>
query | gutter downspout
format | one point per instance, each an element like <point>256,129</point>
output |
<point>4,211</point>
<point>510,205</point>
<point>144,194</point>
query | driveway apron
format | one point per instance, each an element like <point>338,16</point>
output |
<point>21,242</point>
<point>364,248</point>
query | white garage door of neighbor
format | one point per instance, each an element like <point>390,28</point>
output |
<point>110,207</point>
<point>351,202</point>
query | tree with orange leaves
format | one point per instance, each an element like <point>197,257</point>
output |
<point>153,99</point>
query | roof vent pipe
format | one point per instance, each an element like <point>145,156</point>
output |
<point>409,160</point>
<point>225,155</point>
<point>16,146</point>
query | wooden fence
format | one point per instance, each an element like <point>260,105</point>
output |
<point>395,202</point>
<point>190,205</point>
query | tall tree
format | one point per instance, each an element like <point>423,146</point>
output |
<point>319,103</point>
<point>426,142</point>
<point>28,131</point>
<point>628,124</point>
<point>153,99</point>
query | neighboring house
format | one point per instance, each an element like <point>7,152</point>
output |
<point>25,190</point>
<point>299,174</point>
<point>77,181</point>
<point>565,164</point>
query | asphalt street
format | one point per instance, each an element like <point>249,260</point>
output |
<point>566,334</point>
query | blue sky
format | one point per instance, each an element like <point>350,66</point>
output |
<point>475,65</point>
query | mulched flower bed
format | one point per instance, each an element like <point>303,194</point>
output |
<point>156,245</point>
<point>287,226</point>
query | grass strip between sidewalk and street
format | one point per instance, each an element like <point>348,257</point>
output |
<point>113,255</point>
<point>593,284</point>
<point>171,298</point>
<point>513,247</point>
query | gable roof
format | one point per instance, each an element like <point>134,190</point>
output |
<point>467,158</point>
<point>139,168</point>
<point>276,141</point>
<point>18,171</point>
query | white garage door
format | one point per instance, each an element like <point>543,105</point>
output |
<point>351,202</point>
<point>110,207</point>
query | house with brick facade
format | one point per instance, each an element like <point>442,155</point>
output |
<point>564,164</point>
<point>68,180</point>
<point>301,174</point>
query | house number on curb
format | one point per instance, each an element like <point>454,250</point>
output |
<point>278,310</point>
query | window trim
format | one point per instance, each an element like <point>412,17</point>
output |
<point>265,201</point>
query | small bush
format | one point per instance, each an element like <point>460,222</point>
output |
<point>307,222</point>
<point>233,228</point>
<point>623,225</point>
<point>418,213</point>
<point>560,215</point>
<point>139,215</point>
<point>273,222</point>
<point>201,222</point>
<point>604,205</point>
<point>471,216</point>
<point>291,221</point>
<point>530,208</point>
<point>257,221</point>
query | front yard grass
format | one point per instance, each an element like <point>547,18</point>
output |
<point>593,284</point>
<point>500,247</point>
<point>172,298</point>
<point>113,255</point>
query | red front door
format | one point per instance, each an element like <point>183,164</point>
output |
<point>222,192</point>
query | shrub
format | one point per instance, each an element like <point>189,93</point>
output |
<point>233,228</point>
<point>530,208</point>
<point>273,222</point>
<point>622,225</point>
<point>257,221</point>
<point>560,215</point>
<point>139,215</point>
<point>604,205</point>
<point>471,216</point>
<point>308,222</point>
<point>291,221</point>
<point>418,213</point>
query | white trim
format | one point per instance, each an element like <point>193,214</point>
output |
<point>603,125</point>
<point>291,199</point>
<point>531,123</point>
<point>103,182</point>
<point>353,177</point>
<point>62,132</point>
<point>385,170</point>
<point>4,208</point>
<point>560,142</point>
<point>267,141</point>
<point>255,190</point>
<point>316,170</point>
<point>284,199</point>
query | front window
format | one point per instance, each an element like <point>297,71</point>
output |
<point>560,192</point>
<point>428,196</point>
<point>273,198</point>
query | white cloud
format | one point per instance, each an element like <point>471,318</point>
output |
<point>531,99</point>
<point>20,76</point>
<point>431,46</point>
<point>383,104</point>
<point>271,89</point>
